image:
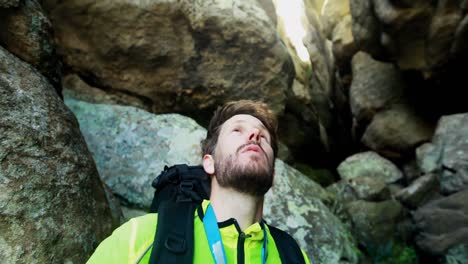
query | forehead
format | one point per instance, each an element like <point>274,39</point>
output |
<point>244,119</point>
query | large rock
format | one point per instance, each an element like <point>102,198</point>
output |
<point>376,86</point>
<point>344,46</point>
<point>370,188</point>
<point>441,34</point>
<point>442,224</point>
<point>360,188</point>
<point>364,188</point>
<point>396,132</point>
<point>132,146</point>
<point>419,191</point>
<point>427,158</point>
<point>27,33</point>
<point>295,203</point>
<point>52,204</point>
<point>448,153</point>
<point>375,224</point>
<point>333,11</point>
<point>184,56</point>
<point>365,27</point>
<point>77,88</point>
<point>406,30</point>
<point>417,35</point>
<point>337,27</point>
<point>369,164</point>
<point>270,10</point>
<point>384,118</point>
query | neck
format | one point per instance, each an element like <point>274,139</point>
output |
<point>228,203</point>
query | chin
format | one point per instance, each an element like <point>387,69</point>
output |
<point>258,165</point>
<point>254,162</point>
<point>250,174</point>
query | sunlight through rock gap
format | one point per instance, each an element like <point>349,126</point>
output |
<point>291,13</point>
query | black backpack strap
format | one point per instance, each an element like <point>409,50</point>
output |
<point>180,189</point>
<point>174,240</point>
<point>288,249</point>
<point>181,182</point>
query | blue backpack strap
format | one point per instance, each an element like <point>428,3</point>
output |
<point>288,249</point>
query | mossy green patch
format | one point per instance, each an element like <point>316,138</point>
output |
<point>322,176</point>
<point>394,252</point>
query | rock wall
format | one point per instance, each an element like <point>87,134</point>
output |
<point>27,33</point>
<point>183,56</point>
<point>401,62</point>
<point>52,204</point>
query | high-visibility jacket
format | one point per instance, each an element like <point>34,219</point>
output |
<point>132,242</point>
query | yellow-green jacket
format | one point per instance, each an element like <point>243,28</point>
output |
<point>132,243</point>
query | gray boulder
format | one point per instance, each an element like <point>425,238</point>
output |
<point>181,56</point>
<point>427,158</point>
<point>344,46</point>
<point>332,13</point>
<point>52,204</point>
<point>448,153</point>
<point>379,105</point>
<point>365,26</point>
<point>132,146</point>
<point>419,191</point>
<point>296,204</point>
<point>442,32</point>
<point>396,132</point>
<point>442,224</point>
<point>417,35</point>
<point>375,223</point>
<point>27,32</point>
<point>370,188</point>
<point>376,86</point>
<point>369,164</point>
<point>362,188</point>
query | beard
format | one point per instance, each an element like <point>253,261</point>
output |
<point>254,178</point>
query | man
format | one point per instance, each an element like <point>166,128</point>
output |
<point>239,153</point>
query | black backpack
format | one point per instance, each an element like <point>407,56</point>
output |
<point>180,189</point>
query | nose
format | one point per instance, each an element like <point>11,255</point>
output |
<point>254,135</point>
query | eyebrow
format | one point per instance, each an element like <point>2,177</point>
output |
<point>262,126</point>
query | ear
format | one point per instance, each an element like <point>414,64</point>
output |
<point>208,164</point>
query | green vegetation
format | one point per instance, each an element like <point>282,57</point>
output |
<point>321,176</point>
<point>393,253</point>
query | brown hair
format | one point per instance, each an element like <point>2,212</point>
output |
<point>254,108</point>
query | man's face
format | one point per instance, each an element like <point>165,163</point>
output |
<point>243,157</point>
